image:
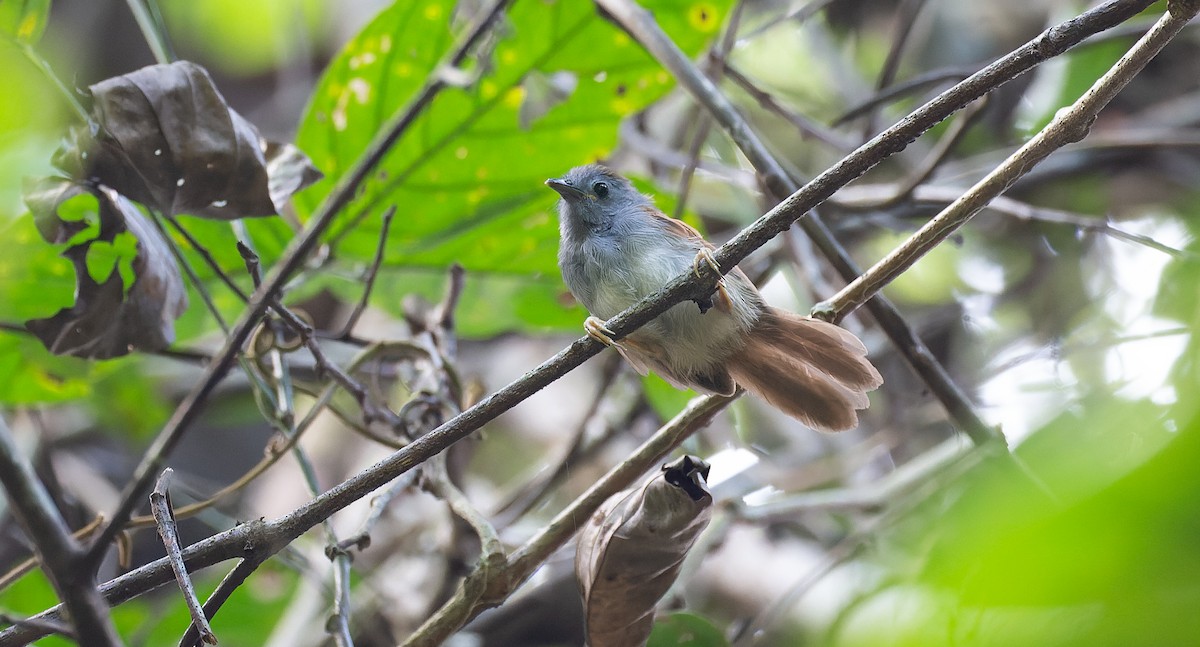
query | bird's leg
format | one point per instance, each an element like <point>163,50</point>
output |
<point>705,256</point>
<point>595,328</point>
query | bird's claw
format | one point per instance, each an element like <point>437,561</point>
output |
<point>595,328</point>
<point>705,256</point>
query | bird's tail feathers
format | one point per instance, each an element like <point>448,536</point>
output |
<point>812,370</point>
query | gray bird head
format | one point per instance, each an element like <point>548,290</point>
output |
<point>595,199</point>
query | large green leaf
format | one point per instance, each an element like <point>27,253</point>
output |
<point>467,176</point>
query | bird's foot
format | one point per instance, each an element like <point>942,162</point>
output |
<point>705,256</point>
<point>595,328</point>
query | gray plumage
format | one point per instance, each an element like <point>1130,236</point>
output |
<point>617,247</point>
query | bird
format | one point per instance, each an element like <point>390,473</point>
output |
<point>616,247</point>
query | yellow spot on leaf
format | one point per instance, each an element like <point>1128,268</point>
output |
<point>514,97</point>
<point>403,70</point>
<point>27,27</point>
<point>475,196</point>
<point>461,152</point>
<point>662,77</point>
<point>433,11</point>
<point>385,43</point>
<point>622,106</point>
<point>508,56</point>
<point>703,17</point>
<point>620,39</point>
<point>488,89</point>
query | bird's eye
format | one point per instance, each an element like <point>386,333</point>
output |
<point>600,189</point>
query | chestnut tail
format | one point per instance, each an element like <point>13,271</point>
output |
<point>812,370</point>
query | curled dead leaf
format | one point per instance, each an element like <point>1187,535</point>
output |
<point>631,550</point>
<point>164,136</point>
<point>120,313</point>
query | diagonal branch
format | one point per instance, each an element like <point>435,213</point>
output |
<point>801,200</point>
<point>57,550</point>
<point>257,538</point>
<point>292,259</point>
<point>1068,126</point>
<point>160,503</point>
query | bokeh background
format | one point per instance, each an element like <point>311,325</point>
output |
<point>1066,312</point>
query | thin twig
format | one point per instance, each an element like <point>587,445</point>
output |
<point>293,257</point>
<point>153,29</point>
<point>182,261</point>
<point>47,626</point>
<point>870,497</point>
<point>907,16</point>
<point>872,197</point>
<point>1069,125</point>
<point>1050,43</point>
<point>160,506</point>
<point>958,128</point>
<point>361,539</point>
<point>207,256</point>
<point>230,583</point>
<point>532,493</point>
<point>473,595</point>
<point>265,537</point>
<point>901,90</point>
<point>805,126</point>
<point>369,278</point>
<point>703,125</point>
<point>301,328</point>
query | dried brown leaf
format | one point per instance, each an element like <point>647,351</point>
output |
<point>164,136</point>
<point>630,552</point>
<point>109,318</point>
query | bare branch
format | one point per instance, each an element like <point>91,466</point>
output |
<point>1069,125</point>
<point>61,556</point>
<point>801,200</point>
<point>372,272</point>
<point>474,596</point>
<point>292,259</point>
<point>160,505</point>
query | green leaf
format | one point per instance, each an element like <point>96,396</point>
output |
<point>686,630</point>
<point>666,399</point>
<point>467,177</point>
<point>29,374</point>
<point>1089,541</point>
<point>24,20</point>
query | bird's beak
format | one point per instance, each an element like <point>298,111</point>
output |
<point>567,190</point>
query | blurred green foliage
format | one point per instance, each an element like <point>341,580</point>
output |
<point>466,178</point>
<point>24,20</point>
<point>246,38</point>
<point>246,621</point>
<point>682,629</point>
<point>1088,540</point>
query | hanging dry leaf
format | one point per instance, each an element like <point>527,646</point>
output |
<point>165,137</point>
<point>125,311</point>
<point>630,552</point>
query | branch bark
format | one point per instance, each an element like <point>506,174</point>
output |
<point>1068,126</point>
<point>297,251</point>
<point>60,555</point>
<point>801,200</point>
<point>256,539</point>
